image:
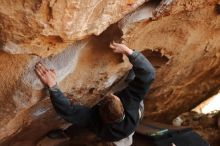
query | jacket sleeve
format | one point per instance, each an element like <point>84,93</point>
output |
<point>144,76</point>
<point>77,114</point>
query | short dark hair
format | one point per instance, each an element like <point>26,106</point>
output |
<point>111,109</point>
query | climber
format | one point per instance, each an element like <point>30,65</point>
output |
<point>115,118</point>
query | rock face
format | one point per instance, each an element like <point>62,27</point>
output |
<point>189,38</point>
<point>47,27</point>
<point>204,124</point>
<point>181,38</point>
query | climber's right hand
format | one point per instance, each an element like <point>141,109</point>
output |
<point>48,77</point>
<point>120,48</point>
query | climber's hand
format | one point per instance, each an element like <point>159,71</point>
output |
<point>120,48</point>
<point>48,77</point>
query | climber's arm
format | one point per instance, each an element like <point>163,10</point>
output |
<point>144,75</point>
<point>143,70</point>
<point>77,114</point>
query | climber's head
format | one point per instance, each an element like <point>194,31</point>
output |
<point>111,109</point>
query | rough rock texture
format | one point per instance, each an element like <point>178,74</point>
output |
<point>99,70</point>
<point>46,27</point>
<point>181,38</point>
<point>204,124</point>
<point>189,37</point>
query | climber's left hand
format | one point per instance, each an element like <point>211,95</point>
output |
<point>48,77</point>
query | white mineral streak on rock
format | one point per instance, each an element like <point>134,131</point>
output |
<point>40,111</point>
<point>63,63</point>
<point>19,99</point>
<point>12,48</point>
<point>110,81</point>
<point>144,12</point>
<point>163,8</point>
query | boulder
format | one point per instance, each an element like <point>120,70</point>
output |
<point>47,27</point>
<point>181,38</point>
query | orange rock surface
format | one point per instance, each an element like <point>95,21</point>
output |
<point>181,38</point>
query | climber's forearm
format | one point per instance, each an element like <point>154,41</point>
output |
<point>144,75</point>
<point>60,102</point>
<point>74,113</point>
<point>141,65</point>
